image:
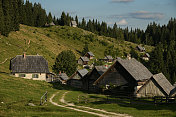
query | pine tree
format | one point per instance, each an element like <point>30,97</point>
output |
<point>49,19</point>
<point>7,22</point>
<point>76,19</point>
<point>1,19</point>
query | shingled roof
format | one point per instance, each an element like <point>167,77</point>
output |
<point>91,54</point>
<point>163,83</point>
<point>85,59</point>
<point>83,72</point>
<point>29,64</point>
<point>108,57</point>
<point>101,69</point>
<point>136,69</point>
<point>63,76</point>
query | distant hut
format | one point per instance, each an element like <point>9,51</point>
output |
<point>92,76</point>
<point>108,59</point>
<point>157,85</point>
<point>140,48</point>
<point>73,24</point>
<point>126,75</point>
<point>51,24</point>
<point>76,80</point>
<point>146,56</point>
<point>30,67</point>
<point>90,55</point>
<point>83,61</point>
<point>63,78</point>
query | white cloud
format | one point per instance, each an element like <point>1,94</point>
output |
<point>147,15</point>
<point>122,22</point>
<point>121,1</point>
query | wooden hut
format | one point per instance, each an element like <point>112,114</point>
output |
<point>108,59</point>
<point>126,75</point>
<point>92,76</point>
<point>73,24</point>
<point>140,48</point>
<point>63,78</point>
<point>157,85</point>
<point>83,61</point>
<point>146,56</point>
<point>76,79</point>
<point>90,55</point>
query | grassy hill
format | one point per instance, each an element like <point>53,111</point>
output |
<point>16,93</point>
<point>49,42</point>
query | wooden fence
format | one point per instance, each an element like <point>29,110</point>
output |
<point>43,99</point>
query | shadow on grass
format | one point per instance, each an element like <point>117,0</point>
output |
<point>139,104</point>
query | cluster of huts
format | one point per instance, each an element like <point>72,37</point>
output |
<point>146,55</point>
<point>125,76</point>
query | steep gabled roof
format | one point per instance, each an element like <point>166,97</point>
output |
<point>101,69</point>
<point>108,57</point>
<point>29,64</point>
<point>73,23</point>
<point>91,54</point>
<point>63,76</point>
<point>163,82</point>
<point>85,59</point>
<point>136,69</point>
<point>83,72</point>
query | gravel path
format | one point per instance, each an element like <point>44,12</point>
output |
<point>98,111</point>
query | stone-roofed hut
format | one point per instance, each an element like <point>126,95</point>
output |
<point>76,80</point>
<point>126,75</point>
<point>90,55</point>
<point>73,24</point>
<point>29,66</point>
<point>83,61</point>
<point>157,85</point>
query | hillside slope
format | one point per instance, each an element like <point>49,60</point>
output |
<point>49,42</point>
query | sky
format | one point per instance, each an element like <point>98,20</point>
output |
<point>131,13</point>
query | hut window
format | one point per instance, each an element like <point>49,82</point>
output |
<point>35,75</point>
<point>22,75</point>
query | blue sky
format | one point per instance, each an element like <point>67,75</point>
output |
<point>131,13</point>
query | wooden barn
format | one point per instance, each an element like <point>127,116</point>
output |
<point>30,67</point>
<point>76,80</point>
<point>83,61</point>
<point>125,75</point>
<point>92,76</point>
<point>157,85</point>
<point>90,55</point>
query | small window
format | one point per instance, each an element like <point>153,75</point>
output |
<point>22,75</point>
<point>35,75</point>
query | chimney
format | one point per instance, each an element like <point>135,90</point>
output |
<point>24,55</point>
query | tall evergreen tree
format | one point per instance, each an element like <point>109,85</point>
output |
<point>1,19</point>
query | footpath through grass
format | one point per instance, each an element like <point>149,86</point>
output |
<point>17,93</point>
<point>136,108</point>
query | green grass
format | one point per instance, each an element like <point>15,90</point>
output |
<point>16,93</point>
<point>143,108</point>
<point>49,42</point>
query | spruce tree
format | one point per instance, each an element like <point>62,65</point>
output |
<point>1,19</point>
<point>49,19</point>
<point>7,18</point>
